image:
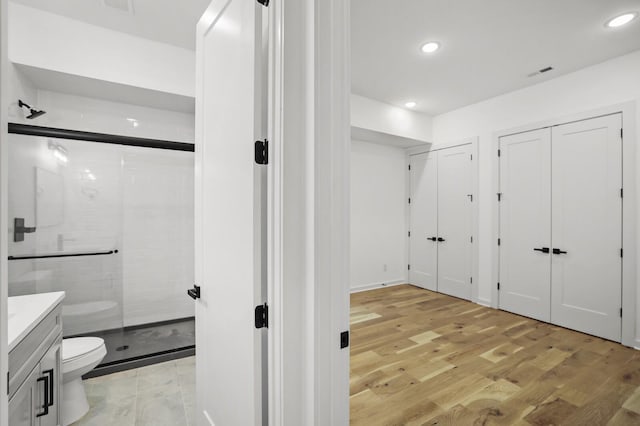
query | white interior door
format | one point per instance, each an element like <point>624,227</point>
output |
<point>423,218</point>
<point>455,221</point>
<point>228,257</point>
<point>587,225</point>
<point>525,240</point>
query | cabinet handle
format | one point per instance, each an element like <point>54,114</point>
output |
<point>432,238</point>
<point>45,406</point>
<point>543,249</point>
<point>558,251</point>
<point>51,387</point>
<point>440,239</point>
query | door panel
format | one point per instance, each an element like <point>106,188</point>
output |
<point>455,221</point>
<point>423,253</point>
<point>228,255</point>
<point>525,185</point>
<point>587,224</point>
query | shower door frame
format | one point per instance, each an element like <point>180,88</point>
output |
<point>84,136</point>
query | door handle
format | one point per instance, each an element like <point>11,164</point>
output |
<point>194,292</point>
<point>45,406</point>
<point>19,229</point>
<point>558,251</point>
<point>543,249</point>
<point>431,238</point>
<point>440,239</point>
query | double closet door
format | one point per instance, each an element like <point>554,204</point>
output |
<point>561,225</point>
<point>441,219</point>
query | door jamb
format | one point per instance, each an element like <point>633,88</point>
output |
<point>629,221</point>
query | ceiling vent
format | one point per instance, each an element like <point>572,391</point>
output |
<point>541,71</point>
<point>125,6</point>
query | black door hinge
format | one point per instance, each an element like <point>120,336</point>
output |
<point>470,280</point>
<point>621,252</point>
<point>621,134</point>
<point>409,200</point>
<point>409,234</point>
<point>408,267</point>
<point>498,241</point>
<point>498,153</point>
<point>265,3</point>
<point>472,238</point>
<point>498,286</point>
<point>499,196</point>
<point>261,149</point>
<point>344,339</point>
<point>620,312</point>
<point>261,314</point>
<point>621,193</point>
<point>471,157</point>
<point>409,166</point>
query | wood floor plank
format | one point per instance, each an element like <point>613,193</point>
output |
<point>424,358</point>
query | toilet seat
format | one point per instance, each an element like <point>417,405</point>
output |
<point>78,352</point>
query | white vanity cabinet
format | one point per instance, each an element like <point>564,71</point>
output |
<point>35,368</point>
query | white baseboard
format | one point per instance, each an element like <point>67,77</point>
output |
<point>636,346</point>
<point>484,302</point>
<point>373,286</point>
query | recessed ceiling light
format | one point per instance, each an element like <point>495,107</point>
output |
<point>621,20</point>
<point>430,47</point>
<point>410,104</point>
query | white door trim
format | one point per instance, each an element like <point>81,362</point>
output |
<point>473,141</point>
<point>4,280</point>
<point>629,221</point>
<point>308,205</point>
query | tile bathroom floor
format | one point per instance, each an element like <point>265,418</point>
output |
<point>156,395</point>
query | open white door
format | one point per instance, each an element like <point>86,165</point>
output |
<point>228,214</point>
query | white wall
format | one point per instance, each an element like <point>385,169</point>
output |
<point>378,215</point>
<point>44,40</point>
<point>381,117</point>
<point>611,82</point>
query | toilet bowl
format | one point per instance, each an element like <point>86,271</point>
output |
<point>79,356</point>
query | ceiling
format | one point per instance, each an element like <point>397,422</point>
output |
<point>488,47</point>
<point>167,21</point>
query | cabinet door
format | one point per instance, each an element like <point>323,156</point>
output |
<point>587,226</point>
<point>455,221</point>
<point>24,405</point>
<point>51,370</point>
<point>423,216</point>
<point>525,224</point>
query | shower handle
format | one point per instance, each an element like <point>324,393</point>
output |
<point>19,229</point>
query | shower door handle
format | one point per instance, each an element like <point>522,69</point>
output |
<point>194,292</point>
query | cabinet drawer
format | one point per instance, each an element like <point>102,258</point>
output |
<point>27,354</point>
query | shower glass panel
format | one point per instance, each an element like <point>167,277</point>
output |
<point>112,226</point>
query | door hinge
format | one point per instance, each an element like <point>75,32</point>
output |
<point>620,312</point>
<point>344,339</point>
<point>471,155</point>
<point>498,286</point>
<point>7,383</point>
<point>621,193</point>
<point>621,132</point>
<point>498,241</point>
<point>408,267</point>
<point>409,200</point>
<point>499,196</point>
<point>472,238</point>
<point>261,314</point>
<point>261,149</point>
<point>265,3</point>
<point>498,153</point>
<point>621,253</point>
<point>409,234</point>
<point>470,280</point>
<point>409,167</point>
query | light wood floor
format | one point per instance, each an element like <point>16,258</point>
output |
<point>423,358</point>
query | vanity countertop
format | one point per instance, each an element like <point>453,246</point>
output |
<point>25,312</point>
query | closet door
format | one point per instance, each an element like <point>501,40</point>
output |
<point>455,221</point>
<point>525,240</point>
<point>587,226</point>
<point>423,221</point>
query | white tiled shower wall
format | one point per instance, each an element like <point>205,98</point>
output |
<point>141,203</point>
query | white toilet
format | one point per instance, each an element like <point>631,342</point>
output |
<point>79,356</point>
